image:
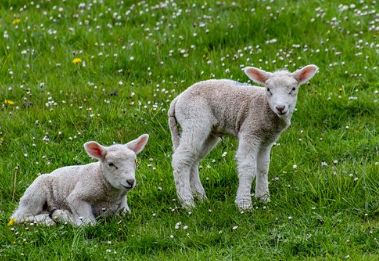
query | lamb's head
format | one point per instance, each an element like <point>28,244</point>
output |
<point>118,162</point>
<point>282,86</point>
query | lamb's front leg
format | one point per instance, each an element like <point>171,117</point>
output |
<point>62,216</point>
<point>124,206</point>
<point>263,162</point>
<point>81,210</point>
<point>247,167</point>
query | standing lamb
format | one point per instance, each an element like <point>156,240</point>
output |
<point>255,115</point>
<point>80,194</point>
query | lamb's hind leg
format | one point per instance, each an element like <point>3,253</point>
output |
<point>196,186</point>
<point>31,205</point>
<point>41,219</point>
<point>185,156</point>
<point>263,162</point>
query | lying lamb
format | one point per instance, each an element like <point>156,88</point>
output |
<point>255,115</point>
<point>80,194</point>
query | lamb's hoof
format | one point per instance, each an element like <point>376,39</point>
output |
<point>49,222</point>
<point>59,215</point>
<point>188,203</point>
<point>264,198</point>
<point>201,196</point>
<point>244,204</point>
<point>43,220</point>
<point>86,222</point>
<point>124,213</point>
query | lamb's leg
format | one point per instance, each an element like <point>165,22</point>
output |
<point>247,167</point>
<point>263,161</point>
<point>41,219</point>
<point>195,183</point>
<point>196,186</point>
<point>191,143</point>
<point>124,206</point>
<point>116,208</point>
<point>81,211</point>
<point>63,216</point>
<point>31,203</point>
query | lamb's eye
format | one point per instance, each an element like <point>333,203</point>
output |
<point>111,164</point>
<point>293,89</point>
<point>268,90</point>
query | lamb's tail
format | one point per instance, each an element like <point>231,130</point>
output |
<point>173,124</point>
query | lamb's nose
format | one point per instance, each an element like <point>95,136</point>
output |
<point>280,108</point>
<point>130,182</point>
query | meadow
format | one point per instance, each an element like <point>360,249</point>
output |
<point>73,71</point>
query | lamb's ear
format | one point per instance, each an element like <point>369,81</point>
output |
<point>305,74</point>
<point>257,75</point>
<point>138,144</point>
<point>95,150</point>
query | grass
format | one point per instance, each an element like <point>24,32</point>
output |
<point>135,58</point>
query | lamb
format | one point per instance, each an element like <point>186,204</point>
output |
<point>79,194</point>
<point>256,116</point>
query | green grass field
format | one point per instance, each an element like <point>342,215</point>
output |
<point>134,58</point>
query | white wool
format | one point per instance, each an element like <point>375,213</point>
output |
<point>256,116</point>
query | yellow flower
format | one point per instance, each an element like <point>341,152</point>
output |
<point>1,140</point>
<point>11,222</point>
<point>16,21</point>
<point>77,60</point>
<point>8,102</point>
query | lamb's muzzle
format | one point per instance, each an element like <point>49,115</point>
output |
<point>131,183</point>
<point>281,108</point>
<point>255,115</point>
